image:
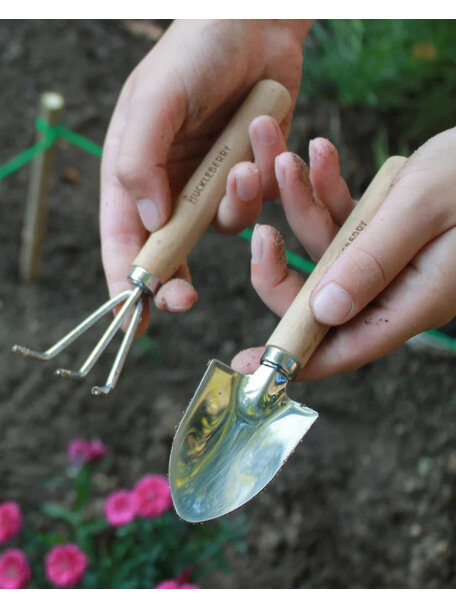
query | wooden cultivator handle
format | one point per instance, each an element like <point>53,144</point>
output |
<point>298,333</point>
<point>197,204</point>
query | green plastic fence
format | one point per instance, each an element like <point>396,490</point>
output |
<point>51,134</point>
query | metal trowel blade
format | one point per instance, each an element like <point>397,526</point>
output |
<point>234,437</point>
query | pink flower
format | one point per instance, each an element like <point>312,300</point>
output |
<point>10,520</point>
<point>121,508</point>
<point>97,450</point>
<point>189,586</point>
<point>183,579</point>
<point>14,569</point>
<point>169,583</point>
<point>81,451</point>
<point>153,495</point>
<point>172,583</point>
<point>78,452</point>
<point>65,565</point>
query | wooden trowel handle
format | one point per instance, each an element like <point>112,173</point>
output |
<point>197,204</point>
<point>298,333</point>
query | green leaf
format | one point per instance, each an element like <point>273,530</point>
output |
<point>56,511</point>
<point>151,348</point>
<point>83,486</point>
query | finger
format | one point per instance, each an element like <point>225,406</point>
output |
<point>327,182</point>
<point>422,297</point>
<point>267,142</point>
<point>404,224</point>
<point>241,205</point>
<point>144,322</point>
<point>121,230</point>
<point>156,112</point>
<point>274,282</point>
<point>309,219</point>
<point>248,360</point>
<point>178,294</point>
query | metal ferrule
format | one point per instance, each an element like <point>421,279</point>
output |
<point>280,360</point>
<point>142,278</point>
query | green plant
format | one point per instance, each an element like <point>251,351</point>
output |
<point>138,545</point>
<point>402,67</point>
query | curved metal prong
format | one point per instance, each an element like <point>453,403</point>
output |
<point>28,352</point>
<point>106,338</point>
<point>74,333</point>
<point>122,353</point>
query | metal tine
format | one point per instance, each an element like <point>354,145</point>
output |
<point>105,339</point>
<point>122,353</point>
<point>74,333</point>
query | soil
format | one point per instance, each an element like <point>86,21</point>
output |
<point>367,500</point>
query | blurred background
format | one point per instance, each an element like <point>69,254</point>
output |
<point>368,499</point>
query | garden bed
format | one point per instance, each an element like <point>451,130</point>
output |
<point>368,498</point>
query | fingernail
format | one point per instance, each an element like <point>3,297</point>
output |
<point>257,245</point>
<point>332,304</point>
<point>313,155</point>
<point>281,173</point>
<point>266,131</point>
<point>179,296</point>
<point>148,212</point>
<point>173,308</point>
<point>247,184</point>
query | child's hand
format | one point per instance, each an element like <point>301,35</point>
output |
<point>170,111</point>
<point>395,280</point>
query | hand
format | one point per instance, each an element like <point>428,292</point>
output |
<point>396,280</point>
<point>171,109</point>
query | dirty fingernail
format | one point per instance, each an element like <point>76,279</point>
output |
<point>257,245</point>
<point>281,173</point>
<point>332,304</point>
<point>247,184</point>
<point>180,297</point>
<point>149,214</point>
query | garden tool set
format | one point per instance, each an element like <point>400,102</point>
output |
<point>238,430</point>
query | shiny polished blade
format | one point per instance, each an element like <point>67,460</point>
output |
<point>234,437</point>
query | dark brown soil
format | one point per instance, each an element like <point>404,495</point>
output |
<point>367,500</point>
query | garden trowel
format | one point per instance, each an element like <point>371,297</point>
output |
<point>239,429</point>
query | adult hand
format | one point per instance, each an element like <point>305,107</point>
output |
<point>171,109</point>
<point>395,280</point>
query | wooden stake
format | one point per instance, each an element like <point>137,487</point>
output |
<point>35,217</point>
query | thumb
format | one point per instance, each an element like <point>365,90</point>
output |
<point>401,227</point>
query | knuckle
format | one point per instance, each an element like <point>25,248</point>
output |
<point>258,282</point>
<point>131,172</point>
<point>370,272</point>
<point>265,285</point>
<point>269,283</point>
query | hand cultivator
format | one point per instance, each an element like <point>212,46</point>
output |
<point>167,247</point>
